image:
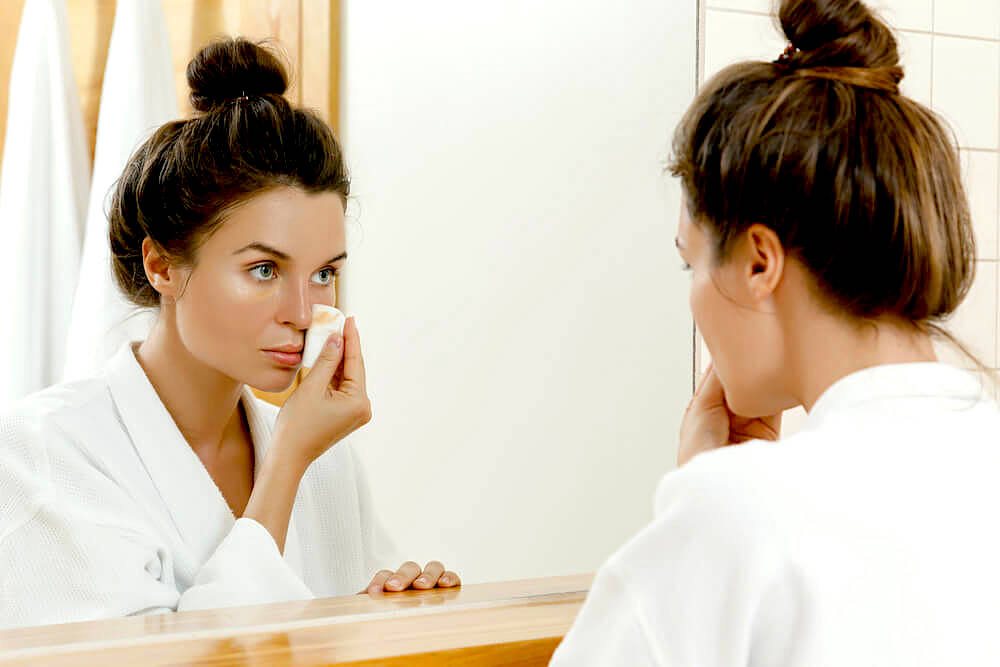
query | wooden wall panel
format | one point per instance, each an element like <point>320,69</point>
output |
<point>90,25</point>
<point>301,30</point>
<point>10,19</point>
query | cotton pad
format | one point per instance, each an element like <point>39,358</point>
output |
<point>325,320</point>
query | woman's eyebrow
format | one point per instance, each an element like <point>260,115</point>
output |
<point>256,245</point>
<point>265,249</point>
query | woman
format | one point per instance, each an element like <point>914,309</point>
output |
<point>165,484</point>
<point>827,233</point>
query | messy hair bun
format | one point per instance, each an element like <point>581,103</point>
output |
<point>245,139</point>
<point>839,39</point>
<point>860,183</point>
<point>230,70</point>
<point>841,33</point>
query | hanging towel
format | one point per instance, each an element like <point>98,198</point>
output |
<point>138,96</point>
<point>43,199</point>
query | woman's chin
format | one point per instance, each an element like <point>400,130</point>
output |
<point>275,381</point>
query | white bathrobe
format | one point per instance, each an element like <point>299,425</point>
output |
<point>137,96</point>
<point>105,511</point>
<point>43,198</point>
<point>871,537</point>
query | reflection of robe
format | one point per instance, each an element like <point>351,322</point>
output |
<point>138,95</point>
<point>869,537</point>
<point>43,194</point>
<point>105,510</point>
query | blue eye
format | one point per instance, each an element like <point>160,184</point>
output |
<point>324,276</point>
<point>262,272</point>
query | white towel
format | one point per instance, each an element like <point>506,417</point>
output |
<point>138,96</point>
<point>43,197</point>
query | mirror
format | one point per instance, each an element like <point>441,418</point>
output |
<point>511,230</point>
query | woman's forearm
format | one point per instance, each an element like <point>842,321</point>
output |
<point>274,493</point>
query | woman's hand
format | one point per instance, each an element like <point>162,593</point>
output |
<point>409,575</point>
<point>709,424</point>
<point>329,404</point>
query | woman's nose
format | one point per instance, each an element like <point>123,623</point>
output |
<point>296,310</point>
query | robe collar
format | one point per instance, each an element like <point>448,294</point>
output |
<point>198,509</point>
<point>891,382</point>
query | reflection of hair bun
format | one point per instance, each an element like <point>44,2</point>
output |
<point>837,33</point>
<point>229,69</point>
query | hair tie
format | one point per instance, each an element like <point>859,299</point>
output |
<point>784,60</point>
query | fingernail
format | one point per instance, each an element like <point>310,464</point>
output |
<point>394,583</point>
<point>445,580</point>
<point>421,580</point>
<point>333,342</point>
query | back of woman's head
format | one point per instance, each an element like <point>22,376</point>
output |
<point>244,138</point>
<point>859,182</point>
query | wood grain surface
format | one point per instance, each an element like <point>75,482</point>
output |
<point>504,623</point>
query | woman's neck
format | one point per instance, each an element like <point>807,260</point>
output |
<point>829,347</point>
<point>203,402</point>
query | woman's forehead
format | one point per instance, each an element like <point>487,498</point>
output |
<point>298,224</point>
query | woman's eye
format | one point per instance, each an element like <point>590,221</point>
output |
<point>262,272</point>
<point>324,276</point>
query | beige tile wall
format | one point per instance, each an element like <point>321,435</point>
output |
<point>951,53</point>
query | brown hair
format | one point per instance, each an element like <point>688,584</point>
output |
<point>244,138</point>
<point>859,182</point>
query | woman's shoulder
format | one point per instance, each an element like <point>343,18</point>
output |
<point>55,406</point>
<point>751,487</point>
<point>41,430</point>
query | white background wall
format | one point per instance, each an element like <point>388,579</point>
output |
<point>950,53</point>
<point>512,266</point>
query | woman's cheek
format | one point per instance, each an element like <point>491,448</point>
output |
<point>697,301</point>
<point>234,303</point>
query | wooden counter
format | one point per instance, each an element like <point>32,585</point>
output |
<point>505,623</point>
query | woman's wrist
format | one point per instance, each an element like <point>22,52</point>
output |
<point>275,487</point>
<point>285,455</point>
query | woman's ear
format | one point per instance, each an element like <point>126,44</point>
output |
<point>766,261</point>
<point>161,274</point>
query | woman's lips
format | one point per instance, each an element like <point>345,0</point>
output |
<point>284,358</point>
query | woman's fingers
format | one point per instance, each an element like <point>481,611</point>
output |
<point>706,423</point>
<point>774,423</point>
<point>378,581</point>
<point>328,362</point>
<point>710,393</point>
<point>704,378</point>
<point>449,580</point>
<point>404,577</point>
<point>409,575</point>
<point>430,576</point>
<point>759,428</point>
<point>354,363</point>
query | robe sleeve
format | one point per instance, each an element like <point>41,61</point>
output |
<point>247,568</point>
<point>67,552</point>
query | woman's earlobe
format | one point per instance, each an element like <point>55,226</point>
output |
<point>157,268</point>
